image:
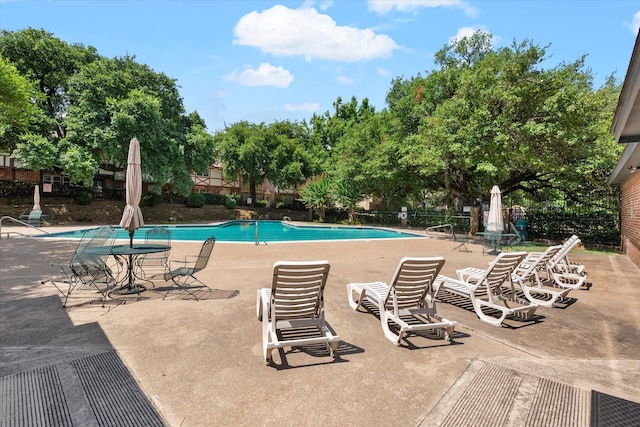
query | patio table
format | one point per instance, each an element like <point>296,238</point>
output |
<point>129,255</point>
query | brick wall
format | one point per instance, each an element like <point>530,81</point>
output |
<point>630,218</point>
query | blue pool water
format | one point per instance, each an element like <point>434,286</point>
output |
<point>268,231</point>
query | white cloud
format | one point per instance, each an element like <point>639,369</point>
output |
<point>382,72</point>
<point>384,6</point>
<point>265,75</point>
<point>634,26</point>
<point>324,4</point>
<point>282,31</point>
<point>344,80</point>
<point>305,106</point>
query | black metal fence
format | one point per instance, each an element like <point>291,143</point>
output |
<point>593,226</point>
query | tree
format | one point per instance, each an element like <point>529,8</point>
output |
<point>347,196</point>
<point>17,110</point>
<point>291,159</point>
<point>49,62</point>
<point>277,152</point>
<point>494,117</point>
<point>316,195</point>
<point>242,150</point>
<point>96,105</point>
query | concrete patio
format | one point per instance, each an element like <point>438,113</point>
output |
<point>181,362</point>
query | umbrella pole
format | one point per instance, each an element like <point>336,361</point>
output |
<point>131,239</point>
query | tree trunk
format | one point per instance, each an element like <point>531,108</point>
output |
<point>252,191</point>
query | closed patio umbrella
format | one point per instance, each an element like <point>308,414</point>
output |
<point>495,223</point>
<point>132,215</point>
<point>36,198</point>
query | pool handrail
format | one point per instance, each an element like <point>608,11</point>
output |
<point>10,218</point>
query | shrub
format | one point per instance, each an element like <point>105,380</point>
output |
<point>216,199</point>
<point>151,199</point>
<point>196,200</point>
<point>84,197</point>
<point>230,203</point>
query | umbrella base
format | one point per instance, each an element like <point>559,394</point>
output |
<point>129,290</point>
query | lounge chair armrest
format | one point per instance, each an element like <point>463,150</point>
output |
<point>449,282</point>
<point>189,259</point>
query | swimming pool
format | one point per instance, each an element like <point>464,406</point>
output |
<point>267,231</point>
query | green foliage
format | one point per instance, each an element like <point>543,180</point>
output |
<point>40,57</point>
<point>277,152</point>
<point>316,194</point>
<point>92,106</point>
<point>17,108</point>
<point>78,162</point>
<point>494,117</point>
<point>84,197</point>
<point>215,199</point>
<point>230,203</point>
<point>36,152</point>
<point>195,200</point>
<point>151,199</point>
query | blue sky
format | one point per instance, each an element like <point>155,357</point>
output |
<point>269,60</point>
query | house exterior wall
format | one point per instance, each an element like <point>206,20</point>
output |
<point>630,218</point>
<point>213,182</point>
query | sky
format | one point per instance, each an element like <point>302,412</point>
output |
<point>263,61</point>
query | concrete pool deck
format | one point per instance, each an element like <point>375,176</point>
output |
<point>200,363</point>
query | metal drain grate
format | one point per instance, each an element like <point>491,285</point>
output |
<point>558,404</point>
<point>488,399</point>
<point>611,411</point>
<point>114,396</point>
<point>33,398</point>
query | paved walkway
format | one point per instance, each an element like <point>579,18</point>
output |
<point>183,362</point>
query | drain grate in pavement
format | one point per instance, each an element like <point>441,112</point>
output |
<point>487,400</point>
<point>611,411</point>
<point>557,404</point>
<point>114,396</point>
<point>33,398</point>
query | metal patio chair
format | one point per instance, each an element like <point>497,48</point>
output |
<point>154,265</point>
<point>184,276</point>
<point>88,267</point>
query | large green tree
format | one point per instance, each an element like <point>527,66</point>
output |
<point>48,62</point>
<point>278,152</point>
<point>113,100</point>
<point>495,117</point>
<point>18,111</point>
<point>95,105</point>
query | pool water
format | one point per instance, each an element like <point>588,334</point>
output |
<point>267,231</point>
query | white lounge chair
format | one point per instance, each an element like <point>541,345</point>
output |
<point>407,301</point>
<point>295,303</point>
<point>526,276</point>
<point>486,290</point>
<point>562,257</point>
